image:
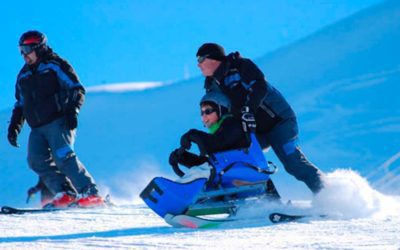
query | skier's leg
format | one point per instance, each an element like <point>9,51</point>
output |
<point>283,139</point>
<point>61,141</point>
<point>45,195</point>
<point>41,162</point>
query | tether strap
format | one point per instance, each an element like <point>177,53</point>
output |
<point>260,170</point>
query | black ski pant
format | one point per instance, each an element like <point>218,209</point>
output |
<point>283,139</point>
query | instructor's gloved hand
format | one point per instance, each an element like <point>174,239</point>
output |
<point>71,119</point>
<point>248,120</point>
<point>12,136</point>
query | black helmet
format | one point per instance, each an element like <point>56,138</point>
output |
<point>32,40</point>
<point>218,100</point>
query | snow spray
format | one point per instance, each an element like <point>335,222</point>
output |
<point>347,195</point>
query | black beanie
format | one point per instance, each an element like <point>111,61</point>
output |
<point>212,51</point>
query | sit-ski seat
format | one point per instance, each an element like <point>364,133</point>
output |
<point>232,168</point>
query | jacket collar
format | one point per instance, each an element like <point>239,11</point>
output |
<point>214,128</point>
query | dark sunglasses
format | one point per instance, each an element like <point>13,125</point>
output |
<point>201,59</point>
<point>27,49</point>
<point>207,111</point>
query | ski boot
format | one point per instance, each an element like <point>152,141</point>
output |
<point>90,198</point>
<point>61,200</point>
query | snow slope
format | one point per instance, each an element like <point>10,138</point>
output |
<point>364,219</point>
<point>134,227</point>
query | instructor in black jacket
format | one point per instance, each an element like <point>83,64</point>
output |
<point>260,106</point>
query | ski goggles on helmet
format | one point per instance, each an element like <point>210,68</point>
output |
<point>201,59</point>
<point>27,49</point>
<point>207,111</point>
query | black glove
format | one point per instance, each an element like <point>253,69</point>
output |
<point>16,123</point>
<point>186,141</point>
<point>12,136</point>
<point>199,140</point>
<point>71,119</point>
<point>248,120</point>
<point>174,157</point>
<point>195,136</point>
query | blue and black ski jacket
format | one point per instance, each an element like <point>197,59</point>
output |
<point>245,85</point>
<point>46,91</point>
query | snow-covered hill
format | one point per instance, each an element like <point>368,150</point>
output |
<point>343,83</point>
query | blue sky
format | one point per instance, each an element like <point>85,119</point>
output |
<point>122,41</point>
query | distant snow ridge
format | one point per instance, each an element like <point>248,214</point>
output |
<point>124,87</point>
<point>348,195</point>
<point>387,176</point>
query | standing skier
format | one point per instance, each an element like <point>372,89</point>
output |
<point>49,97</point>
<point>261,108</point>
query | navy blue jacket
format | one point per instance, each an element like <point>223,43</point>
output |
<point>245,85</point>
<point>46,91</point>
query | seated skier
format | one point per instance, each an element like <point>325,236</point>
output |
<point>226,134</point>
<point>230,160</point>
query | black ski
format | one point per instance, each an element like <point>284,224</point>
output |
<point>280,218</point>
<point>13,210</point>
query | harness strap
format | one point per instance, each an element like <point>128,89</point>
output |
<point>260,170</point>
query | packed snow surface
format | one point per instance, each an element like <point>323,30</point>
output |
<point>357,217</point>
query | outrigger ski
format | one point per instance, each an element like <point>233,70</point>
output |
<point>282,218</point>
